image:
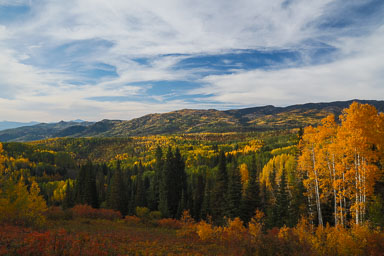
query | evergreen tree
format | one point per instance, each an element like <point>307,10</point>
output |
<point>140,190</point>
<point>85,191</point>
<point>100,185</point>
<point>68,201</point>
<point>154,189</point>
<point>180,182</point>
<point>234,191</point>
<point>282,202</point>
<point>165,181</point>
<point>219,204</point>
<point>116,197</point>
<point>206,209</point>
<point>198,195</point>
<point>90,196</point>
<point>251,200</point>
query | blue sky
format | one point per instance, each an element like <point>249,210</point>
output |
<point>120,59</point>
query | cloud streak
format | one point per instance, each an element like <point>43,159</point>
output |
<point>70,59</point>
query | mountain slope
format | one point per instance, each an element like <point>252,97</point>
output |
<point>39,131</point>
<point>10,125</point>
<point>189,121</point>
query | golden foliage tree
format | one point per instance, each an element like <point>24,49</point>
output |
<point>18,205</point>
<point>341,160</point>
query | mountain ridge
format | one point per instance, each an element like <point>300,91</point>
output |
<point>189,121</point>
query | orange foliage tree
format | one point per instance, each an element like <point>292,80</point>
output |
<point>341,161</point>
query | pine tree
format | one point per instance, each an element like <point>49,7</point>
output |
<point>164,184</point>
<point>219,204</point>
<point>90,193</point>
<point>68,201</point>
<point>282,202</point>
<point>116,197</point>
<point>181,182</point>
<point>140,190</point>
<point>251,200</point>
<point>85,192</point>
<point>206,206</point>
<point>234,191</point>
<point>154,191</point>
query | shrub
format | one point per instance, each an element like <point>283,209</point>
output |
<point>86,211</point>
<point>155,215</point>
<point>170,223</point>
<point>132,220</point>
<point>57,213</point>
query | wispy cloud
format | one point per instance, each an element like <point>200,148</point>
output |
<point>95,59</point>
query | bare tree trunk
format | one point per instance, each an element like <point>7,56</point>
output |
<point>319,215</point>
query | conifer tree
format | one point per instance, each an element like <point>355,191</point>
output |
<point>234,191</point>
<point>219,204</point>
<point>140,190</point>
<point>206,209</point>
<point>86,192</point>
<point>154,192</point>
<point>68,201</point>
<point>115,198</point>
<point>251,200</point>
<point>281,209</point>
<point>164,184</point>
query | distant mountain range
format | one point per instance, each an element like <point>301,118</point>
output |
<point>4,125</point>
<point>188,121</point>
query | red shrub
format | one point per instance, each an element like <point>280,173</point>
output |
<point>56,213</point>
<point>86,211</point>
<point>132,220</point>
<point>170,223</point>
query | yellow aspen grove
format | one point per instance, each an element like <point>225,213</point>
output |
<point>360,135</point>
<point>341,161</point>
<point>326,159</point>
<point>308,165</point>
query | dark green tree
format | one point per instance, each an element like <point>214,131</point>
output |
<point>68,201</point>
<point>219,197</point>
<point>116,196</point>
<point>234,191</point>
<point>281,208</point>
<point>140,189</point>
<point>86,192</point>
<point>251,200</point>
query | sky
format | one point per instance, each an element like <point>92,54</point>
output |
<point>121,59</point>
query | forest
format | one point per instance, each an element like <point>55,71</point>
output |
<point>316,190</point>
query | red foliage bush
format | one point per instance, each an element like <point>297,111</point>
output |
<point>170,223</point>
<point>86,211</point>
<point>132,220</point>
<point>21,241</point>
<point>56,213</point>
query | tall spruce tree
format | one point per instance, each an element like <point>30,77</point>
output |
<point>165,182</point>
<point>219,204</point>
<point>234,191</point>
<point>86,192</point>
<point>181,182</point>
<point>116,197</point>
<point>154,190</point>
<point>281,209</point>
<point>68,201</point>
<point>206,206</point>
<point>140,189</point>
<point>251,200</point>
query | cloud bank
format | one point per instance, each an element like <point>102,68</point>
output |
<point>123,59</point>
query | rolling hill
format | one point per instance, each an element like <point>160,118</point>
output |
<point>189,121</point>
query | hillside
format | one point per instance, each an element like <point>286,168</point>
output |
<point>189,121</point>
